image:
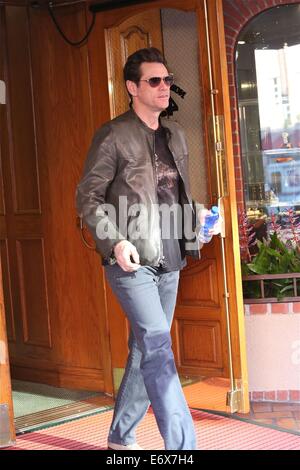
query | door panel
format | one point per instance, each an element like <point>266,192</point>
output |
<point>208,336</point>
<point>199,304</point>
<point>54,295</point>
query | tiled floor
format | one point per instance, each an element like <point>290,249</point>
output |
<point>284,415</point>
<point>210,394</point>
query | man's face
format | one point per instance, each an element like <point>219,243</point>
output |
<point>155,99</point>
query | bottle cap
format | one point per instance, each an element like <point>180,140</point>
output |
<point>215,210</point>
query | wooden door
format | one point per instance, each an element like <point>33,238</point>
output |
<point>53,288</point>
<point>208,329</point>
<point>6,404</point>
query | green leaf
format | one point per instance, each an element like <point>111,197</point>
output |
<point>274,253</point>
<point>286,289</point>
<point>258,268</point>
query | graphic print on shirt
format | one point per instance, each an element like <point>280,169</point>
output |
<point>167,176</point>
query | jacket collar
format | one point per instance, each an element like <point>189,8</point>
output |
<point>148,129</point>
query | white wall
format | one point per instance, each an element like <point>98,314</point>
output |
<point>273,346</point>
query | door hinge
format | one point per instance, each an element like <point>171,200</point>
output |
<point>234,400</point>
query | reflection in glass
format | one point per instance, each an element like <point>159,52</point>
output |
<point>268,77</point>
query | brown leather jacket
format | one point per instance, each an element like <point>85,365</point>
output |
<point>120,163</point>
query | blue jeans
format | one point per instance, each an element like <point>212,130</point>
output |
<point>148,298</point>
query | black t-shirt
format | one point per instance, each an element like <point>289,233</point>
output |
<point>168,178</point>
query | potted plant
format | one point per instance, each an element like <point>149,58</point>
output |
<point>265,269</point>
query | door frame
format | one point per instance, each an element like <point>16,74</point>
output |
<point>6,403</point>
<point>231,245</point>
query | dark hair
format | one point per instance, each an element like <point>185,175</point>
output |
<point>132,68</point>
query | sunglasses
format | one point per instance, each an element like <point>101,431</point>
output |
<point>154,82</point>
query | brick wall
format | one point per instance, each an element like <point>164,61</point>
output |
<point>288,308</point>
<point>276,395</point>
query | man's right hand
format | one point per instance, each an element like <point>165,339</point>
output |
<point>123,251</point>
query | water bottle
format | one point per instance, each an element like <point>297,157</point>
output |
<point>210,220</point>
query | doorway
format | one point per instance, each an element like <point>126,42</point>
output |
<point>58,317</point>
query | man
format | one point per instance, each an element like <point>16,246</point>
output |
<point>136,164</point>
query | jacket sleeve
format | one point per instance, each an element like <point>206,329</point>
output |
<point>99,171</point>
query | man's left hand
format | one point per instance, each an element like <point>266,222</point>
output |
<point>216,229</point>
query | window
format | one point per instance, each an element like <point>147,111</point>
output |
<point>268,80</point>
